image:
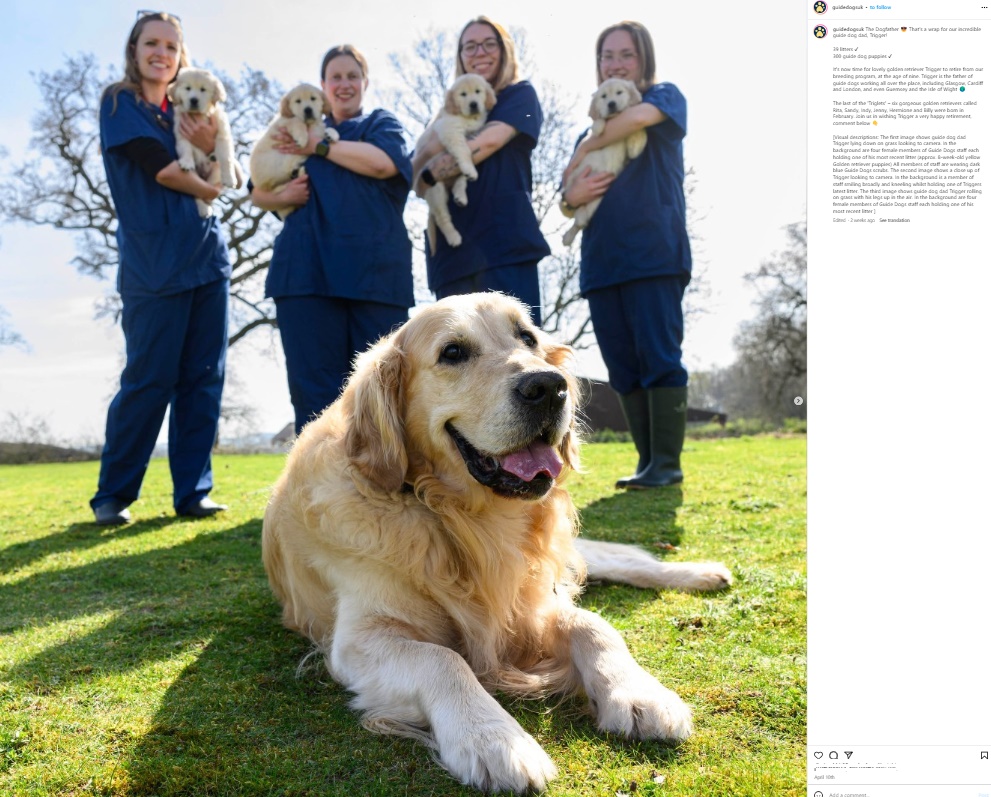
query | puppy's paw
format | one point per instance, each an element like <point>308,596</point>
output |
<point>205,209</point>
<point>230,180</point>
<point>186,163</point>
<point>453,238</point>
<point>459,195</point>
<point>639,707</point>
<point>332,134</point>
<point>504,758</point>
<point>471,172</point>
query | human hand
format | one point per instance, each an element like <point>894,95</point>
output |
<point>199,130</point>
<point>586,186</point>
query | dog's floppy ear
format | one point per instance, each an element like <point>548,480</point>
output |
<point>326,104</point>
<point>593,110</point>
<point>373,409</point>
<point>635,96</point>
<point>219,92</point>
<point>490,97</point>
<point>450,104</point>
<point>284,110</point>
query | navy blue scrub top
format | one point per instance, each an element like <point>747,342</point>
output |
<point>349,240</point>
<point>498,224</point>
<point>164,245</point>
<point>640,229</point>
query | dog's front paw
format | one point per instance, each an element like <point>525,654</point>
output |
<point>470,172</point>
<point>498,759</point>
<point>187,164</point>
<point>643,709</point>
<point>205,209</point>
<point>230,180</point>
<point>453,238</point>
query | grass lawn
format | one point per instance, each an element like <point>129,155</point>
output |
<point>149,660</point>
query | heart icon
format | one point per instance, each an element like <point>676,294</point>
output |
<point>818,754</point>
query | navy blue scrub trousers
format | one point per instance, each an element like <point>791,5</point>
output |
<point>176,350</point>
<point>639,327</point>
<point>521,281</point>
<point>321,335</point>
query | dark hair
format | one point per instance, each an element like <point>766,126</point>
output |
<point>509,71</point>
<point>642,43</point>
<point>132,72</point>
<point>344,49</point>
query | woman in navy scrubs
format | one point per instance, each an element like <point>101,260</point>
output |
<point>173,280</point>
<point>502,240</point>
<point>341,271</point>
<point>636,260</point>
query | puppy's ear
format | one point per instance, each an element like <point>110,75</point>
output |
<point>326,104</point>
<point>593,109</point>
<point>170,92</point>
<point>284,110</point>
<point>490,97</point>
<point>219,92</point>
<point>450,104</point>
<point>373,407</point>
<point>635,96</point>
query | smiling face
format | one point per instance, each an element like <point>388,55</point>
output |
<point>469,393</point>
<point>156,53</point>
<point>618,57</point>
<point>344,84</point>
<point>480,51</point>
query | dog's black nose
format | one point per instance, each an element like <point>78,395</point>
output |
<point>473,106</point>
<point>544,390</point>
<point>308,112</point>
<point>612,106</point>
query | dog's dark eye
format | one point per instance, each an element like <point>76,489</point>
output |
<point>454,353</point>
<point>529,339</point>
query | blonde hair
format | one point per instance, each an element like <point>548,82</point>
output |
<point>132,71</point>
<point>642,43</point>
<point>509,70</point>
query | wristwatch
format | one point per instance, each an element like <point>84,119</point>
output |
<point>323,147</point>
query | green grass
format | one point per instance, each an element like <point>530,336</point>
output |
<point>149,660</point>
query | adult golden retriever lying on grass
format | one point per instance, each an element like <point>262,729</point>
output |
<point>421,536</point>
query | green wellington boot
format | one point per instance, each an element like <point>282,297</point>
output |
<point>637,413</point>
<point>668,412</point>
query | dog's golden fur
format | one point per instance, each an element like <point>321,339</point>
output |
<point>613,96</point>
<point>422,537</point>
<point>198,91</point>
<point>466,107</point>
<point>300,109</point>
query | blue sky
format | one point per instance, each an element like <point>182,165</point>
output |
<point>743,75</point>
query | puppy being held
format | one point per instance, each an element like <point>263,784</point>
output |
<point>198,92</point>
<point>300,110</point>
<point>466,107</point>
<point>612,96</point>
<point>421,536</point>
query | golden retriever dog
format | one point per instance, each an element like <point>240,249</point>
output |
<point>421,536</point>
<point>300,110</point>
<point>466,107</point>
<point>612,96</point>
<point>199,92</point>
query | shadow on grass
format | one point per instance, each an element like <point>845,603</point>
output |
<point>644,517</point>
<point>75,538</point>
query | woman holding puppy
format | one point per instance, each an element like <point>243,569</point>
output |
<point>502,242</point>
<point>636,260</point>
<point>173,279</point>
<point>341,271</point>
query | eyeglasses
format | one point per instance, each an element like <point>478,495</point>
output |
<point>489,45</point>
<point>145,12</point>
<point>624,57</point>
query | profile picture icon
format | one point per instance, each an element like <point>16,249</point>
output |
<point>819,31</point>
<point>819,7</point>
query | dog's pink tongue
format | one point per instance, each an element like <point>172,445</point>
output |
<point>536,458</point>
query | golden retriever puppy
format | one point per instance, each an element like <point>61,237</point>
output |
<point>300,110</point>
<point>421,536</point>
<point>466,107</point>
<point>612,96</point>
<point>199,92</point>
